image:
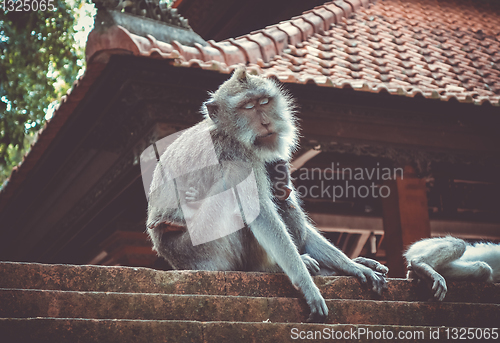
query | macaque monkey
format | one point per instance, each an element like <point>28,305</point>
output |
<point>235,210</point>
<point>449,258</point>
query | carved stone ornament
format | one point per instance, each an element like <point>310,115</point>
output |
<point>152,9</point>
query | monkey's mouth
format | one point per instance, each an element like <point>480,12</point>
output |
<point>268,138</point>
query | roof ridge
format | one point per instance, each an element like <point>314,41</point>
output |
<point>258,47</point>
<point>270,41</point>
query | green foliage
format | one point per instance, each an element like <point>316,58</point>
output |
<point>38,63</point>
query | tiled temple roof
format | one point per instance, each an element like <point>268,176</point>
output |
<point>438,49</point>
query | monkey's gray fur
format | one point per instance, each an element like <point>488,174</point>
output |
<point>281,238</point>
<point>449,258</point>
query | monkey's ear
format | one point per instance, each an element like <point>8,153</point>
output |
<point>212,107</point>
<point>241,74</point>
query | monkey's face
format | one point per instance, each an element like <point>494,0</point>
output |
<point>260,120</point>
<point>255,111</point>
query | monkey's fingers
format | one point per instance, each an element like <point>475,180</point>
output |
<point>411,275</point>
<point>382,269</point>
<point>315,317</point>
<point>192,194</point>
<point>440,294</point>
<point>372,264</point>
<point>439,287</point>
<point>311,264</point>
<point>360,276</point>
<point>316,303</point>
<point>376,279</point>
<point>319,311</point>
<point>379,283</point>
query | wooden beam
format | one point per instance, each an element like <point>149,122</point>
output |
<point>361,224</point>
<point>302,159</point>
<point>405,218</point>
<point>346,241</point>
<point>422,136</point>
<point>360,244</point>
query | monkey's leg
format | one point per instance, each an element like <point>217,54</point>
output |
<point>335,260</point>
<point>178,249</point>
<point>272,235</point>
<point>372,264</point>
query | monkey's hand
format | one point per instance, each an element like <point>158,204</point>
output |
<point>426,272</point>
<point>311,264</point>
<point>372,264</point>
<point>319,310</point>
<point>439,286</point>
<point>374,278</point>
<point>192,194</point>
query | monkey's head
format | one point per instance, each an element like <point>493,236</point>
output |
<point>257,112</point>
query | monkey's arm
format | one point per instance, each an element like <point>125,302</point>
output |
<point>334,259</point>
<point>425,271</point>
<point>272,235</point>
<point>329,257</point>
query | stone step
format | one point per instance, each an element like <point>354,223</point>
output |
<point>145,280</point>
<point>18,303</point>
<point>70,330</point>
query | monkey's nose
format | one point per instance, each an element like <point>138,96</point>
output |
<point>264,120</point>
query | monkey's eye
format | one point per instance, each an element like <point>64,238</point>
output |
<point>264,101</point>
<point>249,106</point>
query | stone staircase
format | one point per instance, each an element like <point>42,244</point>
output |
<point>66,303</point>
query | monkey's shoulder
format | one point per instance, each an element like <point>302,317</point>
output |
<point>193,146</point>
